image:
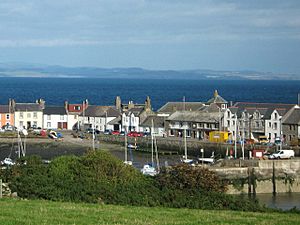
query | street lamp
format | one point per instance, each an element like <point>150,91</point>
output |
<point>202,152</point>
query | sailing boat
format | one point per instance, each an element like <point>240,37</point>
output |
<point>150,169</point>
<point>21,148</point>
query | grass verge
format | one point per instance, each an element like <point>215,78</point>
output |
<point>38,212</point>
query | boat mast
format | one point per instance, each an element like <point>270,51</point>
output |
<point>125,135</point>
<point>152,143</point>
<point>185,146</point>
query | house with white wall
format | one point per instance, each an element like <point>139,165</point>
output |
<point>29,115</point>
<point>99,117</point>
<point>55,117</point>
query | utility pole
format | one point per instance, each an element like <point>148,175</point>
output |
<point>185,145</point>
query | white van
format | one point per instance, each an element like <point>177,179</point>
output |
<point>283,154</point>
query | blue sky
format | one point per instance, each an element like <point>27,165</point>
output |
<point>261,35</point>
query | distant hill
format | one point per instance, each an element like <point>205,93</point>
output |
<point>36,70</point>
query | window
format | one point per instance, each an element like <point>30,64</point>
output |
<point>75,117</point>
<point>49,124</point>
<point>270,124</point>
<point>228,122</point>
<point>28,115</point>
<point>275,116</point>
<point>7,116</point>
<point>77,107</point>
<point>233,122</point>
<point>34,123</point>
<point>62,117</point>
<point>35,115</point>
<point>21,123</point>
<point>21,115</point>
<point>257,124</point>
<point>48,117</point>
<point>275,126</point>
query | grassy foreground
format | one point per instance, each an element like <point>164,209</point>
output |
<point>40,212</point>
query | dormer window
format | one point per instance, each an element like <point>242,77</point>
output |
<point>77,107</point>
<point>275,116</point>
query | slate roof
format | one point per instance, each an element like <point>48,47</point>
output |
<point>101,111</point>
<point>55,110</point>
<point>217,99</point>
<point>4,109</point>
<point>117,120</point>
<point>158,121</point>
<point>292,117</point>
<point>265,109</point>
<point>197,116</point>
<point>29,107</point>
<point>170,107</point>
<point>136,111</point>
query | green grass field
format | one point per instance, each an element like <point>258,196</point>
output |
<point>21,212</point>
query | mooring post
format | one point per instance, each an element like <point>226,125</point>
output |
<point>249,182</point>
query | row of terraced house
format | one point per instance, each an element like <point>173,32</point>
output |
<point>195,119</point>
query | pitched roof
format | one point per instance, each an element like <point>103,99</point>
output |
<point>158,121</point>
<point>197,116</point>
<point>216,99</point>
<point>292,117</point>
<point>4,109</point>
<point>55,110</point>
<point>265,109</point>
<point>101,111</point>
<point>136,111</point>
<point>116,120</point>
<point>28,107</point>
<point>170,107</point>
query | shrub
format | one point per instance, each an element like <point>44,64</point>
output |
<point>188,178</point>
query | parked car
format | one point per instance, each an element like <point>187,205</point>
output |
<point>91,130</point>
<point>107,132</point>
<point>115,132</point>
<point>283,154</point>
<point>146,134</point>
<point>135,134</point>
<point>8,128</point>
<point>122,133</point>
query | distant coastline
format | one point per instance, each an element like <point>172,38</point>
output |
<point>44,71</point>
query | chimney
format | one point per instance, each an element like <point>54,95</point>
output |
<point>66,106</point>
<point>11,105</point>
<point>148,103</point>
<point>41,102</point>
<point>118,102</point>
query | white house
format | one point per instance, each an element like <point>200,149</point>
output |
<point>131,119</point>
<point>29,114</point>
<point>255,119</point>
<point>55,117</point>
<point>99,117</point>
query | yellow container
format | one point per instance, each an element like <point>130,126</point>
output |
<point>218,136</point>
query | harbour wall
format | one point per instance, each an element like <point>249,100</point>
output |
<point>267,176</point>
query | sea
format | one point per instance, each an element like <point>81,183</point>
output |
<point>102,91</point>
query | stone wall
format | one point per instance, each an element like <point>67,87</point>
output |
<point>276,176</point>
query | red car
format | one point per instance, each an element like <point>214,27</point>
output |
<point>135,134</point>
<point>115,132</point>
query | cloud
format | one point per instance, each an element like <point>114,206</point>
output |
<point>95,22</point>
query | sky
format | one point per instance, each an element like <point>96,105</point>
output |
<point>261,35</point>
